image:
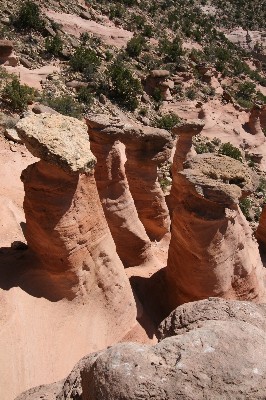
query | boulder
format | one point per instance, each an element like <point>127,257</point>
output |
<point>196,314</point>
<point>6,48</point>
<point>221,360</point>
<point>41,108</point>
<point>26,63</point>
<point>160,73</point>
<point>11,134</point>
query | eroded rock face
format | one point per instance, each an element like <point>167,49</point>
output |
<point>196,314</point>
<point>7,57</point>
<point>145,149</point>
<point>184,148</point>
<point>6,48</point>
<point>212,250</point>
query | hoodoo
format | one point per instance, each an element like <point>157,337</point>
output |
<point>82,299</point>
<point>145,149</point>
<point>212,250</point>
<point>132,242</point>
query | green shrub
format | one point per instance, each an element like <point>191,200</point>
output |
<point>85,96</point>
<point>137,21</point>
<point>245,206</point>
<point>116,11</point>
<point>191,93</point>
<point>227,149</point>
<point>65,105</point>
<point>147,31</point>
<point>207,147</point>
<point>54,45</point>
<point>29,17</point>
<point>18,96</point>
<point>171,50</point>
<point>157,95</point>
<point>167,121</point>
<point>85,61</point>
<point>246,91</point>
<point>135,46</point>
<point>124,88</point>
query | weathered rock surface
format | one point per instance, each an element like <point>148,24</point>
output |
<point>145,149</point>
<point>212,250</point>
<point>194,315</point>
<point>58,140</point>
<point>221,360</point>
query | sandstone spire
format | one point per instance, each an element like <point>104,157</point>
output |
<point>66,227</point>
<point>212,250</point>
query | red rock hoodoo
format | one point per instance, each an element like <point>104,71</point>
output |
<point>212,250</point>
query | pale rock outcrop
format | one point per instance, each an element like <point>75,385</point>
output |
<point>145,149</point>
<point>196,314</point>
<point>212,250</point>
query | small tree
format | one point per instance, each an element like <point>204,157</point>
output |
<point>85,61</point>
<point>29,17</point>
<point>54,45</point>
<point>85,96</point>
<point>135,46</point>
<point>124,88</point>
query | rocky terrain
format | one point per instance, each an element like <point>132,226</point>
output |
<point>133,184</point>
